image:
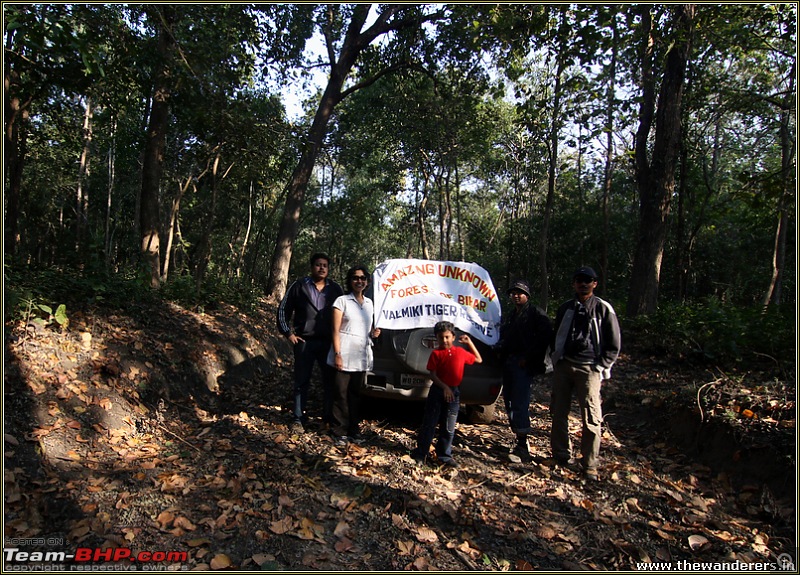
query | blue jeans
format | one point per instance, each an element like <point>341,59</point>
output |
<point>517,395</point>
<point>306,354</point>
<point>444,414</point>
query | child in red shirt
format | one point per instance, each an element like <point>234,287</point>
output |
<point>446,366</point>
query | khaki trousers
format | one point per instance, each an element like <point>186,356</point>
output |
<point>568,379</point>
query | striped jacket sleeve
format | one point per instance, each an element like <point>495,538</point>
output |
<point>286,310</point>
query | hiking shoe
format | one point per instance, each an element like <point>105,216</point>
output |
<point>448,462</point>
<point>520,452</point>
<point>357,439</point>
<point>341,440</point>
<point>296,428</point>
<point>590,475</point>
<point>572,464</point>
<point>417,458</point>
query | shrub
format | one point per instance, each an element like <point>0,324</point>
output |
<point>713,331</point>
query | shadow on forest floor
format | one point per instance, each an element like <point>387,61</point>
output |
<point>161,429</point>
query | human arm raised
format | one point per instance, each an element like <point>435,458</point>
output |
<point>467,340</point>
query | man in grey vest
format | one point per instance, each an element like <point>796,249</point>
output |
<point>586,345</point>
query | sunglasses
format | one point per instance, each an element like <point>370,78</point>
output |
<point>358,278</point>
<point>584,280</point>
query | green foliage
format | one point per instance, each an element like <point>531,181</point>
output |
<point>462,126</point>
<point>29,293</point>
<point>712,331</point>
<point>183,290</point>
<point>42,314</point>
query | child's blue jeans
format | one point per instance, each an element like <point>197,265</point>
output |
<point>444,414</point>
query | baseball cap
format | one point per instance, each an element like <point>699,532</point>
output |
<point>585,271</point>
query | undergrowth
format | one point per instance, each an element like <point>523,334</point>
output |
<point>711,331</point>
<point>32,294</point>
<point>706,331</point>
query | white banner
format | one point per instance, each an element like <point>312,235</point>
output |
<point>418,293</point>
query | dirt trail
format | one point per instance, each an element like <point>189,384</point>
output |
<point>160,429</point>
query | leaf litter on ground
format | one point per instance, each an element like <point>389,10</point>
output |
<point>124,439</point>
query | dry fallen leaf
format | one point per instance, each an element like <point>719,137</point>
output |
<point>36,387</point>
<point>165,518</point>
<point>198,542</point>
<point>697,542</point>
<point>261,558</point>
<point>339,501</point>
<point>421,564</point>
<point>426,535</point>
<point>282,526</point>
<point>632,503</point>
<point>220,561</point>
<point>664,535</point>
<point>343,545</point>
<point>184,523</point>
<point>471,551</point>
<point>405,547</point>
<point>342,529</point>
<point>546,532</point>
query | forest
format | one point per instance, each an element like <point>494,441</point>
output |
<point>169,168</point>
<point>654,142</point>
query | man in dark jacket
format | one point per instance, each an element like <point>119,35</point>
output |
<point>307,305</point>
<point>524,338</point>
<point>586,345</point>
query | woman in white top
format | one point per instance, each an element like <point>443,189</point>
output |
<point>351,352</point>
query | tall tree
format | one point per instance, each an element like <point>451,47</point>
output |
<point>164,17</point>
<point>346,40</point>
<point>783,97</point>
<point>787,186</point>
<point>610,152</point>
<point>655,172</point>
<point>49,49</point>
<point>562,58</point>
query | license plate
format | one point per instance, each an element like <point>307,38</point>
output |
<point>409,380</point>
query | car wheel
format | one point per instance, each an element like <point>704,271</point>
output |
<point>480,414</point>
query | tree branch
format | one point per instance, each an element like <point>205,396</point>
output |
<point>372,79</point>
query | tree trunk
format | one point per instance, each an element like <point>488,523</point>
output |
<point>82,192</point>
<point>150,218</point>
<point>462,250</point>
<point>609,163</point>
<point>112,159</point>
<point>544,288</point>
<point>656,178</point>
<point>172,226</point>
<point>205,246</point>
<point>423,205</point>
<point>287,232</point>
<point>355,41</point>
<point>773,295</point>
<point>16,117</point>
<point>445,213</point>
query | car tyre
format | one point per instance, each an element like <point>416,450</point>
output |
<point>480,414</point>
